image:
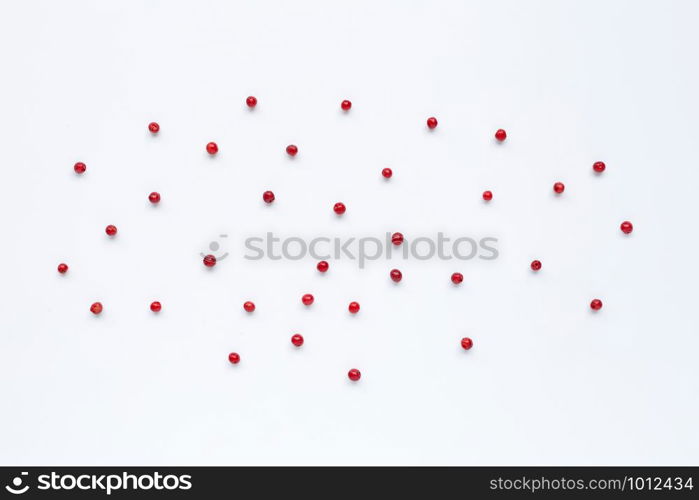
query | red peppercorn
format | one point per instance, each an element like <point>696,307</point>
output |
<point>626,227</point>
<point>397,239</point>
<point>599,166</point>
<point>154,197</point>
<point>154,127</point>
<point>291,150</point>
<point>323,266</point>
<point>466,343</point>
<point>500,135</point>
<point>354,374</point>
<point>457,278</point>
<point>234,358</point>
<point>354,307</point>
<point>209,261</point>
<point>396,275</point>
<point>212,148</point>
<point>297,340</point>
<point>110,230</point>
<point>156,306</point>
<point>251,101</point>
<point>62,268</point>
<point>268,196</point>
<point>536,265</point>
<point>339,208</point>
<point>387,173</point>
<point>249,306</point>
<point>346,105</point>
<point>80,168</point>
<point>596,304</point>
<point>307,299</point>
<point>96,308</point>
<point>487,195</point>
<point>431,122</point>
<point>558,187</point>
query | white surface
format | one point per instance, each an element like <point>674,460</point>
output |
<point>548,382</point>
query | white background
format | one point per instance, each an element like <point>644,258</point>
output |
<point>547,382</point>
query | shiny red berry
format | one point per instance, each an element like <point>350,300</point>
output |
<point>322,266</point>
<point>62,268</point>
<point>536,265</point>
<point>297,340</point>
<point>626,227</point>
<point>500,135</point>
<point>291,150</point>
<point>397,239</point>
<point>339,208</point>
<point>387,173</point>
<point>268,196</point>
<point>96,308</point>
<point>354,374</point>
<point>558,187</point>
<point>431,122</point>
<point>212,148</point>
<point>80,168</point>
<point>209,261</point>
<point>599,166</point>
<point>156,306</point>
<point>154,127</point>
<point>487,195</point>
<point>596,304</point>
<point>154,197</point>
<point>249,306</point>
<point>346,105</point>
<point>307,299</point>
<point>457,278</point>
<point>234,358</point>
<point>110,230</point>
<point>396,275</point>
<point>466,343</point>
<point>354,307</point>
<point>251,101</point>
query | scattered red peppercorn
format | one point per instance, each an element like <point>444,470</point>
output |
<point>209,261</point>
<point>536,265</point>
<point>387,173</point>
<point>500,135</point>
<point>626,227</point>
<point>354,307</point>
<point>156,306</point>
<point>154,197</point>
<point>559,187</point>
<point>154,127</point>
<point>323,266</point>
<point>96,308</point>
<point>80,168</point>
<point>234,358</point>
<point>346,105</point>
<point>251,101</point>
<point>599,166</point>
<point>396,275</point>
<point>457,278</point>
<point>249,306</point>
<point>212,148</point>
<point>466,343</point>
<point>62,268</point>
<point>297,340</point>
<point>268,196</point>
<point>354,374</point>
<point>487,195</point>
<point>339,208</point>
<point>431,122</point>
<point>596,304</point>
<point>292,150</point>
<point>397,239</point>
<point>111,230</point>
<point>307,299</point>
